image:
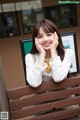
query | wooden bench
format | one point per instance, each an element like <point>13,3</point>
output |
<point>50,101</point>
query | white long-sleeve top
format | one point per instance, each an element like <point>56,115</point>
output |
<point>59,70</point>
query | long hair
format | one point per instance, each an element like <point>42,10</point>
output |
<point>47,26</point>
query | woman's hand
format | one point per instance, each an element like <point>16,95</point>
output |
<point>41,51</point>
<point>39,47</point>
<point>54,46</point>
<point>55,42</point>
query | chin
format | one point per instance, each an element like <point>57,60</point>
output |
<point>46,48</point>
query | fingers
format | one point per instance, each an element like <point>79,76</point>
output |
<point>37,44</point>
<point>36,41</point>
<point>55,42</point>
<point>55,36</point>
<point>39,47</point>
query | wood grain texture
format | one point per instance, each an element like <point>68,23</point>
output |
<point>50,101</point>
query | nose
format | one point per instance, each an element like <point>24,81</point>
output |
<point>45,38</point>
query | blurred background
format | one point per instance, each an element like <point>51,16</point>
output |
<point>17,19</point>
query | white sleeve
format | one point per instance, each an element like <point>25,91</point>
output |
<point>33,71</point>
<point>60,68</point>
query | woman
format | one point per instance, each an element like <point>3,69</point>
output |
<point>48,55</point>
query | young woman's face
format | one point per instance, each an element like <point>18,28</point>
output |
<point>45,39</point>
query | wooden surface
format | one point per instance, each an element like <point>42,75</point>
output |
<point>50,101</point>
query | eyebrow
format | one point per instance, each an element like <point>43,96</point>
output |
<point>39,34</point>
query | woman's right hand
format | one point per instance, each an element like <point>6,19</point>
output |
<point>39,47</point>
<point>55,42</point>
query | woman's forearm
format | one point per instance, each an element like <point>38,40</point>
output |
<point>41,60</point>
<point>53,54</point>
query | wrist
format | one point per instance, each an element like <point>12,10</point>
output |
<point>43,54</point>
<point>53,51</point>
<point>41,59</point>
<point>54,54</point>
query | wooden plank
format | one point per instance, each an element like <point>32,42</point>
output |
<point>37,99</point>
<point>36,109</point>
<point>27,90</point>
<point>75,118</point>
<point>61,115</point>
<point>72,118</point>
<point>27,101</point>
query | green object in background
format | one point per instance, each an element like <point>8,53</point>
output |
<point>27,45</point>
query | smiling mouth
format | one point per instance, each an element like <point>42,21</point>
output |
<point>47,44</point>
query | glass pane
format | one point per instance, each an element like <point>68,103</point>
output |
<point>63,16</point>
<point>9,23</point>
<point>30,17</point>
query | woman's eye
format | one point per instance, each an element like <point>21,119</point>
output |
<point>40,36</point>
<point>49,34</point>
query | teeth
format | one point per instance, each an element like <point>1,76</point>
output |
<point>46,43</point>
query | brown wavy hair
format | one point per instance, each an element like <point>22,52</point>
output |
<point>47,26</point>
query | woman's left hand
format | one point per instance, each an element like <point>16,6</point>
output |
<point>55,42</point>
